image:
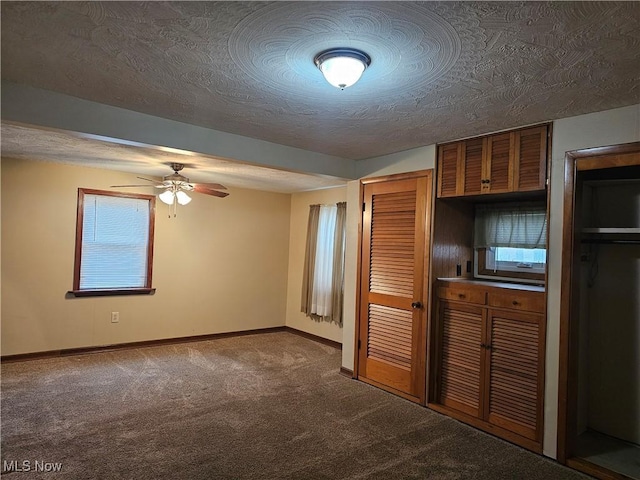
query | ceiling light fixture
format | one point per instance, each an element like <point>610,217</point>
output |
<point>342,67</point>
<point>171,196</point>
<point>167,197</point>
<point>182,197</point>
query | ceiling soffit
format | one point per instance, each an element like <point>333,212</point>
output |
<point>26,143</point>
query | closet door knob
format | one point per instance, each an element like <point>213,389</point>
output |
<point>416,305</point>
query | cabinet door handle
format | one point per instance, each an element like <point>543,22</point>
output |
<point>515,302</point>
<point>462,295</point>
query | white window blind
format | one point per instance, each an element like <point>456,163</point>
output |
<point>519,225</point>
<point>115,242</point>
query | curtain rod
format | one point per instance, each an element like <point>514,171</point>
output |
<point>326,204</point>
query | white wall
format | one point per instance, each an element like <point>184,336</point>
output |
<point>412,160</point>
<point>297,243</point>
<point>219,266</point>
<point>351,274</point>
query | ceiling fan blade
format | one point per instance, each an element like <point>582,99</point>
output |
<point>125,186</point>
<point>208,191</point>
<point>217,186</point>
<point>148,180</point>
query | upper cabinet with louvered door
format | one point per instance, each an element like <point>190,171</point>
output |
<point>530,159</point>
<point>473,161</point>
<point>498,165</point>
<point>514,161</point>
<point>449,170</point>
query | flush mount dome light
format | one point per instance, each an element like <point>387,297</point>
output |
<point>342,67</point>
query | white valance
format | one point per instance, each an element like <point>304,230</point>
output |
<point>517,225</point>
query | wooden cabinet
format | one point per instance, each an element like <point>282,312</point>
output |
<point>514,161</point>
<point>461,357</point>
<point>489,365</point>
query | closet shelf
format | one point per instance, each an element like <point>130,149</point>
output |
<point>606,235</point>
<point>609,230</point>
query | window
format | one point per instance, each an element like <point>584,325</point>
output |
<point>323,276</point>
<point>510,241</point>
<point>114,243</point>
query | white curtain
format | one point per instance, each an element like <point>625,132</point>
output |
<point>323,277</point>
<point>517,225</point>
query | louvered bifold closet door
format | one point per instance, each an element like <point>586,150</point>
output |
<point>392,346</point>
<point>531,156</point>
<point>516,372</point>
<point>499,164</point>
<point>461,357</point>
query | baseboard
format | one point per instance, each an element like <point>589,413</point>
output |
<point>313,337</point>
<point>594,470</point>
<point>163,341</point>
<point>146,343</point>
<point>346,372</point>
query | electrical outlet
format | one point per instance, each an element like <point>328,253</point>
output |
<point>115,317</point>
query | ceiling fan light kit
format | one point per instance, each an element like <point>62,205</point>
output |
<point>167,197</point>
<point>342,67</point>
<point>182,197</point>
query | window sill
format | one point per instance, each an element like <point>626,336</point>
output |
<point>105,292</point>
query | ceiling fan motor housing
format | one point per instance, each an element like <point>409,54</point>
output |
<point>175,180</point>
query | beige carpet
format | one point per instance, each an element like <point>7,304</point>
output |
<point>265,406</point>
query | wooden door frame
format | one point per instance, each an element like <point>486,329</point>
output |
<point>427,271</point>
<point>584,159</point>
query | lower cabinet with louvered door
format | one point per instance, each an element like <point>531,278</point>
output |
<point>460,373</point>
<point>489,360</point>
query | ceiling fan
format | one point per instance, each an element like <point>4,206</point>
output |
<point>175,187</point>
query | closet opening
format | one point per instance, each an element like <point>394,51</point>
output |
<point>599,421</point>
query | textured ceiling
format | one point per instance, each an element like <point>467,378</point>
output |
<point>25,143</point>
<point>439,71</point>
